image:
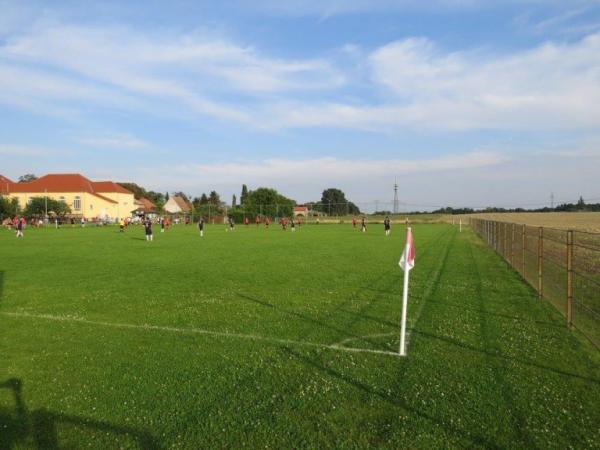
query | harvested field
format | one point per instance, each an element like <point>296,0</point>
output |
<point>583,221</point>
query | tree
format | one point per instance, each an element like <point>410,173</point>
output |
<point>214,198</point>
<point>27,178</point>
<point>244,194</point>
<point>334,203</point>
<point>182,195</point>
<point>37,207</point>
<point>8,208</point>
<point>138,192</point>
<point>580,203</point>
<point>233,201</point>
<point>268,202</point>
<point>166,197</point>
<point>156,197</point>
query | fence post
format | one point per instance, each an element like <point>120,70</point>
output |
<point>497,236</point>
<point>505,249</point>
<point>541,262</point>
<point>523,243</point>
<point>512,245</point>
<point>570,278</point>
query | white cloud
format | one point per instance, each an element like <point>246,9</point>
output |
<point>326,168</point>
<point>27,151</point>
<point>553,86</point>
<point>123,141</point>
<point>409,83</point>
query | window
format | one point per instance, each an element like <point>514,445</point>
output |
<point>61,199</point>
<point>77,203</point>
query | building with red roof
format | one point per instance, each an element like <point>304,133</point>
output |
<point>176,205</point>
<point>86,198</point>
<point>300,211</point>
<point>145,207</point>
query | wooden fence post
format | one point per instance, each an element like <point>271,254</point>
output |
<point>523,244</point>
<point>512,245</point>
<point>541,262</point>
<point>506,254</point>
<point>570,278</point>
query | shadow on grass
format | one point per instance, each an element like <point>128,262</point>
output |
<point>38,429</point>
<point>500,372</point>
<point>304,317</point>
<point>137,238</point>
<point>462,307</point>
<point>498,354</point>
<point>476,440</point>
<point>433,276</point>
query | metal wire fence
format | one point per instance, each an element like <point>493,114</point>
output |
<point>563,266</point>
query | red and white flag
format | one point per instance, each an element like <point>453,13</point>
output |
<point>407,260</point>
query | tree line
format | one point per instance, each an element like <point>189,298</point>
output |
<point>262,201</point>
<point>579,206</point>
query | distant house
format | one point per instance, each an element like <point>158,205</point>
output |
<point>300,211</point>
<point>144,207</point>
<point>176,205</point>
<point>85,197</point>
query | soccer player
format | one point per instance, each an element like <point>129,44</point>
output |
<point>292,224</point>
<point>363,225</point>
<point>387,226</point>
<point>201,226</point>
<point>231,224</point>
<point>121,226</point>
<point>19,227</point>
<point>354,222</point>
<point>267,222</point>
<point>246,221</point>
<point>148,230</point>
<point>162,224</point>
<point>257,221</point>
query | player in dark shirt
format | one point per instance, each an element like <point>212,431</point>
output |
<point>148,230</point>
<point>387,226</point>
<point>363,226</point>
<point>201,226</point>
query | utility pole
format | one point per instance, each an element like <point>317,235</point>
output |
<point>396,202</point>
<point>46,206</point>
<point>552,200</point>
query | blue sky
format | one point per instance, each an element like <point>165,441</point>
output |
<point>465,102</point>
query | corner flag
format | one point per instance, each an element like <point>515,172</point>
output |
<point>407,262</point>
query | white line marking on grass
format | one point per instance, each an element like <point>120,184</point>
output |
<point>198,331</point>
<point>366,336</point>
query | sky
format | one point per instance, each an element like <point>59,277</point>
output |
<point>461,102</point>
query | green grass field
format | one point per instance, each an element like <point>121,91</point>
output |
<point>271,339</point>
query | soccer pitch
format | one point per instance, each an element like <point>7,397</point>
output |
<point>264,338</point>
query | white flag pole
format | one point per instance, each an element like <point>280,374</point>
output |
<point>460,225</point>
<point>404,307</point>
